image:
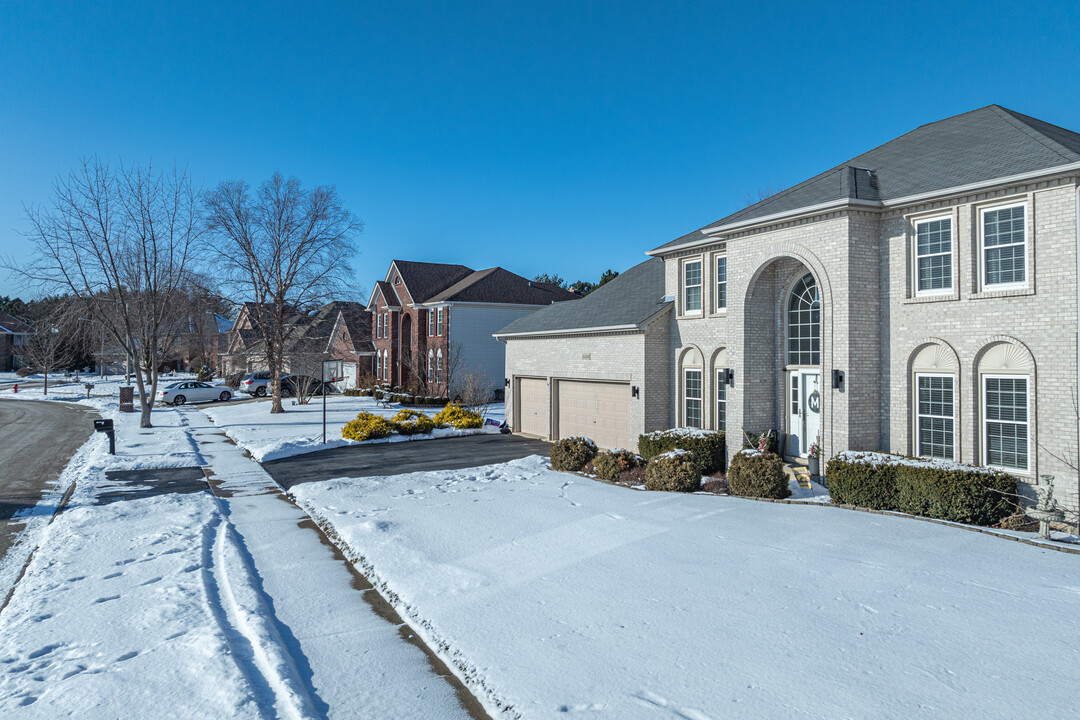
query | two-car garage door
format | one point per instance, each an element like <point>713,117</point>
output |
<point>597,410</point>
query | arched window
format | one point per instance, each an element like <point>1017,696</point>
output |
<point>804,323</point>
<point>1007,393</point>
<point>430,365</point>
<point>438,366</point>
<point>935,369</point>
<point>378,365</point>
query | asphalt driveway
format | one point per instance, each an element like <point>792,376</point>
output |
<point>403,457</point>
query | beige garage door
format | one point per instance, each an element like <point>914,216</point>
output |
<point>596,410</point>
<point>532,406</point>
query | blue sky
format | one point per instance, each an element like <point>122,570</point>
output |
<point>563,137</point>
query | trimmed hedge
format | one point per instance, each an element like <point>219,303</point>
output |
<point>570,454</point>
<point>758,473</point>
<point>673,471</point>
<point>610,464</point>
<point>458,417</point>
<point>412,422</point>
<point>367,426</point>
<point>931,488</point>
<point>707,446</point>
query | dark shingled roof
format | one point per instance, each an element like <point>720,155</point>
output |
<point>426,280</point>
<point>496,285</point>
<point>980,145</point>
<point>12,324</point>
<point>388,293</point>
<point>630,299</point>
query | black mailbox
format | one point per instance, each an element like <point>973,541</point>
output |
<point>103,425</point>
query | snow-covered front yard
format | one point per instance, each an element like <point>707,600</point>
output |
<point>554,594</point>
<point>300,428</point>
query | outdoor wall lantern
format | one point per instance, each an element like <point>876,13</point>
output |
<point>838,380</point>
<point>507,382</point>
<point>634,391</point>
<point>729,377</point>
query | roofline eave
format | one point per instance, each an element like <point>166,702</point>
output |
<point>633,327</point>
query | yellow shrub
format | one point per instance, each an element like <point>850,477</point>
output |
<point>412,422</point>
<point>367,426</point>
<point>458,417</point>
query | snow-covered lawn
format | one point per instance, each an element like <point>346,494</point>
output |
<point>299,429</point>
<point>553,594</point>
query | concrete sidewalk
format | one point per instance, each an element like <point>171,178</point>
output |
<point>352,655</point>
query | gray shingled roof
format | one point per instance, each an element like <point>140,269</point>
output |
<point>497,285</point>
<point>630,299</point>
<point>425,280</point>
<point>980,145</point>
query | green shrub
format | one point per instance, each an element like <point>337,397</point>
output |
<point>570,454</point>
<point>354,392</point>
<point>932,488</point>
<point>707,446</point>
<point>204,374</point>
<point>674,471</point>
<point>367,426</point>
<point>757,473</point>
<point>610,464</point>
<point>458,417</point>
<point>412,422</point>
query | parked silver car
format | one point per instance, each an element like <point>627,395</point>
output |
<point>256,384</point>
<point>187,391</point>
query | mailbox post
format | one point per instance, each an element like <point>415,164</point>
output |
<point>106,426</point>
<point>89,387</point>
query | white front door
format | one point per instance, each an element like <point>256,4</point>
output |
<point>804,411</point>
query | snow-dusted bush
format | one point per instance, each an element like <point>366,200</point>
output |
<point>367,426</point>
<point>757,473</point>
<point>570,454</point>
<point>674,471</point>
<point>933,488</point>
<point>412,422</point>
<point>707,445</point>
<point>458,417</point>
<point>610,464</point>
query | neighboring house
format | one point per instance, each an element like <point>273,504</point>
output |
<point>13,332</point>
<point>919,298</point>
<point>336,331</point>
<point>433,323</point>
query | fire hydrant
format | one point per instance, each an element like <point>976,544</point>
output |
<point>16,388</point>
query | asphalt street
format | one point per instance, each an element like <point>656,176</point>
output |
<point>403,457</point>
<point>36,441</point>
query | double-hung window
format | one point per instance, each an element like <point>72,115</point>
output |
<point>1004,247</point>
<point>933,256</point>
<point>439,322</point>
<point>430,322</point>
<point>1005,421</point>
<point>721,401</point>
<point>691,287</point>
<point>692,393</point>
<point>721,282</point>
<point>934,416</point>
<point>430,365</point>
<point>378,325</point>
<point>438,366</point>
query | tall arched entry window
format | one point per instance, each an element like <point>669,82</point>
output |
<point>804,396</point>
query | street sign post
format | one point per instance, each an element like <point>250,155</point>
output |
<point>332,371</point>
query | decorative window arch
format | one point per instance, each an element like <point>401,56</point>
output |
<point>438,366</point>
<point>692,384</point>
<point>804,323</point>
<point>1006,386</point>
<point>935,407</point>
<point>430,365</point>
<point>720,367</point>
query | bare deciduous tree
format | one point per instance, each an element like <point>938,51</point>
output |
<point>283,248</point>
<point>55,342</point>
<point>122,242</point>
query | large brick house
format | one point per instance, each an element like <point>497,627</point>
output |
<point>433,322</point>
<point>919,298</point>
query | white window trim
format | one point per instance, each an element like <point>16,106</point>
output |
<point>431,366</point>
<point>717,309</point>
<point>1029,470</point>
<point>918,415</point>
<point>439,322</point>
<point>430,323</point>
<point>700,399</point>
<point>982,284</point>
<point>952,289</point>
<point>682,282</point>
<point>438,367</point>
<point>720,385</point>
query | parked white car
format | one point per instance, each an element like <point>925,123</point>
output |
<point>179,393</point>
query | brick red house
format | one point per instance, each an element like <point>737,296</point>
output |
<point>13,332</point>
<point>433,323</point>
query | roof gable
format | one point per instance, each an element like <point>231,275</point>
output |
<point>424,280</point>
<point>498,285</point>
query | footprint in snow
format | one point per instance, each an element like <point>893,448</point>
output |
<point>127,656</point>
<point>106,599</point>
<point>43,651</point>
<point>110,576</point>
<point>151,581</point>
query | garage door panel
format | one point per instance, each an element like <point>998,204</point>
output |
<point>532,406</point>
<point>596,410</point>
